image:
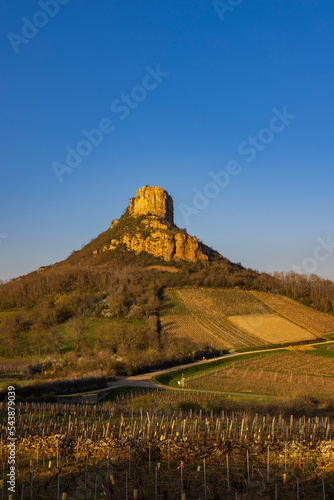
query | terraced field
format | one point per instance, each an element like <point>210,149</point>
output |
<point>233,318</point>
<point>317,322</point>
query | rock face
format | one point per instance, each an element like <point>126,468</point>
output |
<point>152,201</point>
<point>149,227</point>
<point>179,246</point>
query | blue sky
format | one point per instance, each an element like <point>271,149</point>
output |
<point>180,89</point>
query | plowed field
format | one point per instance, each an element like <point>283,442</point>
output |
<point>272,328</point>
<point>233,336</point>
<point>315,321</point>
<point>221,302</point>
<point>188,327</point>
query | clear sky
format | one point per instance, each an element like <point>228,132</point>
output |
<point>100,98</point>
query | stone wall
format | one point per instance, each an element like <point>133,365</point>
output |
<point>297,455</point>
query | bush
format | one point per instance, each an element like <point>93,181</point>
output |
<point>190,405</point>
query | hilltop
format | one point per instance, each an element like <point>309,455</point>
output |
<point>147,225</point>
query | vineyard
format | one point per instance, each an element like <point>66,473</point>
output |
<point>217,332</point>
<point>286,373</point>
<point>272,328</point>
<point>221,302</point>
<point>149,446</point>
<point>186,327</point>
<point>228,318</point>
<point>297,362</point>
<point>232,335</point>
<point>317,322</point>
<point>172,305</point>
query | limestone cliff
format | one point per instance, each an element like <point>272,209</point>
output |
<point>152,201</point>
<point>148,226</point>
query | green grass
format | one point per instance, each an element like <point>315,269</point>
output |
<point>326,350</point>
<point>16,383</point>
<point>5,314</point>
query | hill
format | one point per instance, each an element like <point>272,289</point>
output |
<point>144,239</point>
<point>106,305</point>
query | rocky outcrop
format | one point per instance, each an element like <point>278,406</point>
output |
<point>152,201</point>
<point>179,246</point>
<point>153,229</point>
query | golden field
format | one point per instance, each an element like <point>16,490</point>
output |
<point>316,321</point>
<point>233,318</point>
<point>220,302</point>
<point>217,332</point>
<point>272,328</point>
<point>189,328</point>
